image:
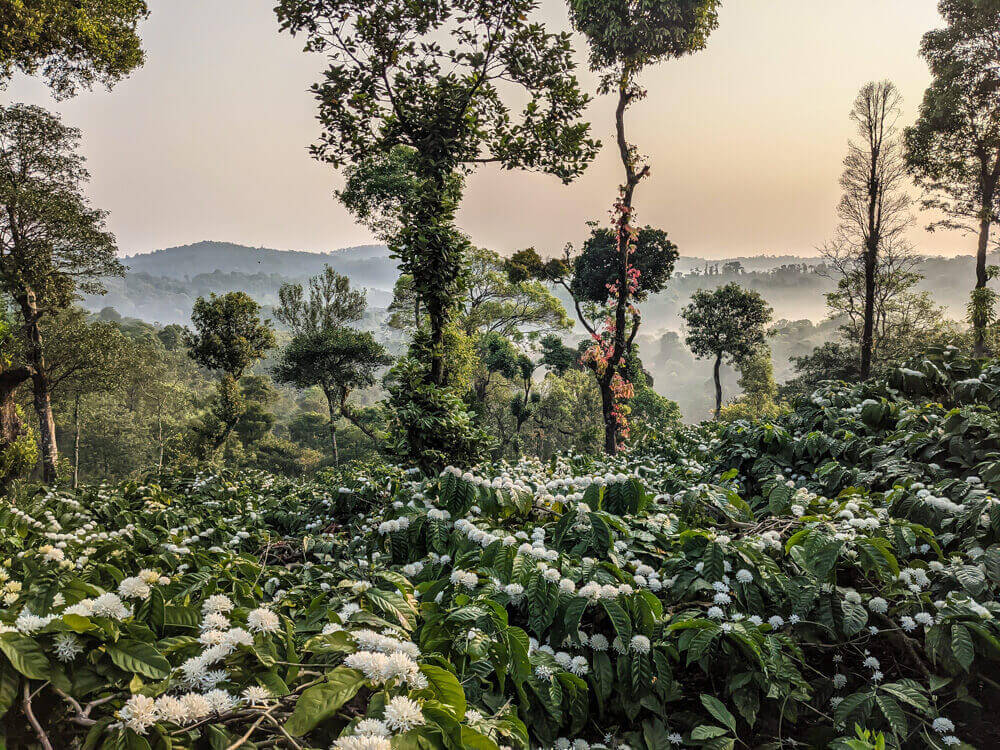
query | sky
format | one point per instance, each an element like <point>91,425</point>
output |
<point>745,139</point>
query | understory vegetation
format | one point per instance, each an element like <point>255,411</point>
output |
<point>755,584</point>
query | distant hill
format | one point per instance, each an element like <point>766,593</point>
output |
<point>367,265</point>
<point>162,286</point>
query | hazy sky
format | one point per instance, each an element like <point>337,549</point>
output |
<point>209,140</point>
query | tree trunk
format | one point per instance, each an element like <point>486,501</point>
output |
<point>159,439</point>
<point>619,351</point>
<point>76,441</point>
<point>333,427</point>
<point>868,327</point>
<point>718,386</point>
<point>42,388</point>
<point>981,279</point>
<point>610,423</point>
<point>10,424</point>
<point>437,347</point>
<point>46,429</point>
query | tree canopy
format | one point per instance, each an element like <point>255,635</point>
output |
<point>330,303</point>
<point>228,335</point>
<point>595,269</point>
<point>953,150</point>
<point>438,78</point>
<point>727,324</point>
<point>71,43</point>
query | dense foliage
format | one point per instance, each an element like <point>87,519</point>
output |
<point>755,584</point>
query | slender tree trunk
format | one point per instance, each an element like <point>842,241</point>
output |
<point>46,429</point>
<point>42,387</point>
<point>10,424</point>
<point>620,347</point>
<point>981,279</point>
<point>76,441</point>
<point>355,420</point>
<point>610,423</point>
<point>868,326</point>
<point>159,440</point>
<point>333,427</point>
<point>718,386</point>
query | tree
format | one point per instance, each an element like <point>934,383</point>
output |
<point>229,337</point>
<point>491,302</point>
<point>557,356</point>
<point>331,303</point>
<point>338,360</point>
<point>509,400</point>
<point>17,444</point>
<point>594,269</point>
<point>591,280</point>
<point>728,322</point>
<point>759,398</point>
<point>324,353</point>
<point>874,209</point>
<point>71,43</point>
<point>404,309</point>
<point>953,150</point>
<point>428,82</point>
<point>625,37</point>
<point>567,417</point>
<point>52,243</point>
<point>900,315</point>
<point>85,358</point>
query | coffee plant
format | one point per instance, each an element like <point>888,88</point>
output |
<point>826,579</point>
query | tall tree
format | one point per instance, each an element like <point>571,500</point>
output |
<point>85,358</point>
<point>430,81</point>
<point>874,209</point>
<point>900,315</point>
<point>338,360</point>
<point>491,302</point>
<point>728,323</point>
<point>52,243</point>
<point>625,37</point>
<point>229,336</point>
<point>72,43</point>
<point>330,303</point>
<point>323,352</point>
<point>953,149</point>
<point>592,281</point>
<point>17,444</point>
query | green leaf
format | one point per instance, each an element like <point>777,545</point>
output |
<point>962,646</point>
<point>619,619</point>
<point>911,694</point>
<point>78,623</point>
<point>26,655</point>
<point>321,702</point>
<point>852,703</point>
<point>475,741</point>
<point>139,658</point>
<point>10,681</point>
<point>707,732</point>
<point>718,709</point>
<point>447,689</point>
<point>972,578</point>
<point>655,735</point>
<point>893,713</point>
<point>855,617</point>
<point>333,643</point>
<point>129,740</point>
